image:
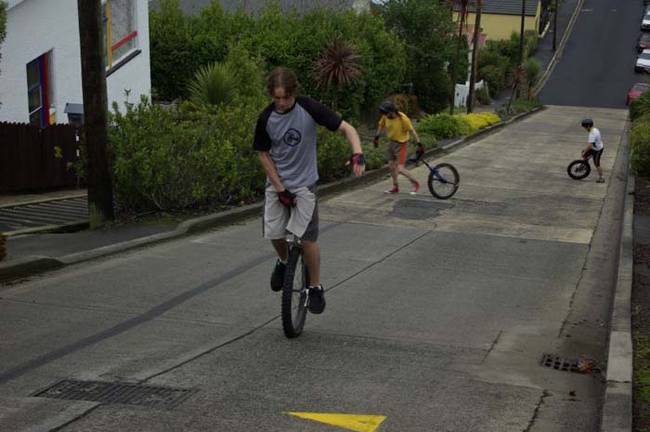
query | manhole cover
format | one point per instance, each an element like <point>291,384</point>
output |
<point>418,208</point>
<point>570,364</point>
<point>116,393</point>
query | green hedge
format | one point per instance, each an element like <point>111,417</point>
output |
<point>183,157</point>
<point>640,106</point>
<point>640,144</point>
<point>201,156</point>
<point>180,44</point>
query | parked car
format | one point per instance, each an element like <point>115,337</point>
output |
<point>643,61</point>
<point>645,22</point>
<point>643,42</point>
<point>636,91</point>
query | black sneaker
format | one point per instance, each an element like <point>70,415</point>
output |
<point>316,303</point>
<point>277,277</point>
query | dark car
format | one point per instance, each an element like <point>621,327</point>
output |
<point>643,42</point>
<point>636,91</point>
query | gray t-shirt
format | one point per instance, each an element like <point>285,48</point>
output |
<point>290,138</point>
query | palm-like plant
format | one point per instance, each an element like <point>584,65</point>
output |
<point>338,66</point>
<point>213,84</point>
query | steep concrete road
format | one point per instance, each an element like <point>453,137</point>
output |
<point>438,311</point>
<point>597,66</point>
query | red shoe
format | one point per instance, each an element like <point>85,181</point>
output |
<point>416,188</point>
<point>394,190</point>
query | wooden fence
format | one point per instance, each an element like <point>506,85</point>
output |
<point>34,159</point>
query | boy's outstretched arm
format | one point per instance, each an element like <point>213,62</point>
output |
<point>353,138</point>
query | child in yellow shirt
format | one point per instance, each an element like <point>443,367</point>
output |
<point>397,127</point>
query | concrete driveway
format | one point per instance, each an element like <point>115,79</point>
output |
<point>438,314</point>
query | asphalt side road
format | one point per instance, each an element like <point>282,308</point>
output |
<point>597,66</point>
<point>438,313</point>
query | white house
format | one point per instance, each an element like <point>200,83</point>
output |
<point>40,69</point>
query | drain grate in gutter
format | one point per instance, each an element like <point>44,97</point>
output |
<point>116,393</point>
<point>570,364</point>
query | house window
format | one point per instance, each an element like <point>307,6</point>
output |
<point>39,91</point>
<point>119,30</point>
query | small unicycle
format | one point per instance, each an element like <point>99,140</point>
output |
<point>579,168</point>
<point>443,178</point>
<point>294,290</point>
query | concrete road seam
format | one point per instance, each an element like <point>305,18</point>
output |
<point>28,266</point>
<point>617,407</point>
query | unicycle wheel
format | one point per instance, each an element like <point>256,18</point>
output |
<point>578,169</point>
<point>443,181</point>
<point>294,294</point>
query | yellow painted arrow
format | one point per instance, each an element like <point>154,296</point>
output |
<point>353,422</point>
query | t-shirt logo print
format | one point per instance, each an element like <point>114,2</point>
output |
<point>292,137</point>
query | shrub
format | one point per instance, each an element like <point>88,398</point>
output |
<point>640,106</point>
<point>248,73</point>
<point>532,69</point>
<point>183,157</point>
<point>173,61</point>
<point>442,126</point>
<point>494,76</point>
<point>213,84</point>
<point>640,145</point>
<point>181,44</point>
<point>477,121</point>
<point>519,106</point>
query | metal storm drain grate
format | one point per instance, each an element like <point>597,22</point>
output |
<point>116,393</point>
<point>570,364</point>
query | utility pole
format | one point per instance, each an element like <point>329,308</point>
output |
<point>475,41</point>
<point>93,73</point>
<point>461,21</point>
<point>521,32</point>
<point>555,25</point>
<point>518,72</point>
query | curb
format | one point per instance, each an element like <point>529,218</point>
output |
<point>558,53</point>
<point>617,406</point>
<point>31,265</point>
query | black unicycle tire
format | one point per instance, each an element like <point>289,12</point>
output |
<point>433,181</point>
<point>294,304</point>
<point>578,175</point>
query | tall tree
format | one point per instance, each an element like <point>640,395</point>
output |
<point>93,75</point>
<point>427,28</point>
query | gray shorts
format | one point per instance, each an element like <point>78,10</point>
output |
<point>396,151</point>
<point>277,218</point>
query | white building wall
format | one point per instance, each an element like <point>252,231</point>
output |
<point>35,27</point>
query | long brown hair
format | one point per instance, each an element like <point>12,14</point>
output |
<point>285,78</point>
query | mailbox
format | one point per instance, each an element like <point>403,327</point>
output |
<point>75,114</point>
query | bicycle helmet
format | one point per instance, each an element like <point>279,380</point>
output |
<point>387,107</point>
<point>587,123</point>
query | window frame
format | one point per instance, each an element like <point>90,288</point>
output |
<point>114,63</point>
<point>44,87</point>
